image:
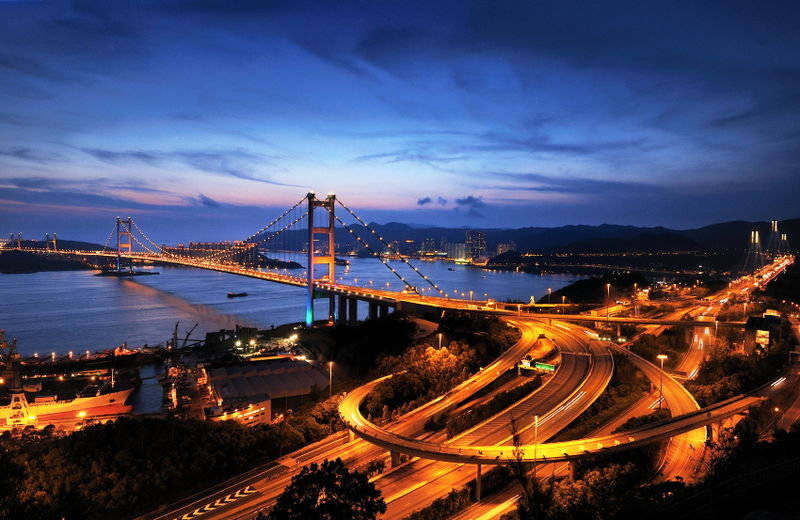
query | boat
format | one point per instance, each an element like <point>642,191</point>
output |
<point>27,405</point>
<point>25,408</point>
<point>236,295</point>
<point>451,269</point>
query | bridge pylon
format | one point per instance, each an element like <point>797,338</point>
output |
<point>51,243</point>
<point>124,241</point>
<point>326,227</point>
<point>15,240</point>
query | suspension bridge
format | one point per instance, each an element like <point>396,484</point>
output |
<point>307,230</point>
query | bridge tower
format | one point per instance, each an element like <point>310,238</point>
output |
<point>51,243</point>
<point>124,241</point>
<point>327,227</point>
<point>774,237</point>
<point>755,256</point>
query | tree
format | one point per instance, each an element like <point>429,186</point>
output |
<point>328,492</point>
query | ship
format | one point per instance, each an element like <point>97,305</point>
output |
<point>236,295</point>
<point>23,405</point>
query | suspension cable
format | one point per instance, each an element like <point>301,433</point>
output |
<point>144,246</point>
<point>273,235</point>
<point>226,252</point>
<point>376,255</point>
<point>274,221</point>
<point>393,250</point>
<point>163,252</point>
<point>105,246</point>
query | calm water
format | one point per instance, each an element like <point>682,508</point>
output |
<point>62,311</point>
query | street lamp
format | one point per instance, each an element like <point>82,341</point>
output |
<point>330,379</point>
<point>535,442</point>
<point>549,292</point>
<point>661,357</point>
<point>470,296</point>
<point>608,298</point>
<point>563,303</point>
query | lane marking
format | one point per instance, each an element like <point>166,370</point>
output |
<point>220,502</point>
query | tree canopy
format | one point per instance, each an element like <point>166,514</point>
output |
<point>328,491</point>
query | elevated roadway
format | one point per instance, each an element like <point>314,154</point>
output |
<point>583,375</point>
<point>269,480</point>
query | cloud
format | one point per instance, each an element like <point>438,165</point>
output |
<point>29,154</point>
<point>423,201</point>
<point>234,163</point>
<point>471,200</point>
<point>473,204</point>
<point>576,185</point>
<point>441,201</point>
<point>203,200</point>
<point>117,157</point>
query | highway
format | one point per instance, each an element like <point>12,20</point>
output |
<point>686,418</point>
<point>681,455</point>
<point>270,480</point>
<point>265,484</point>
<point>577,383</point>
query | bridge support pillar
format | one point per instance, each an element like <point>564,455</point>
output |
<point>352,311</point>
<point>332,315</point>
<point>572,470</point>
<point>478,483</point>
<point>394,457</point>
<point>383,310</point>
<point>342,317</point>
<point>714,431</point>
<point>619,329</point>
<point>351,435</point>
<point>373,310</point>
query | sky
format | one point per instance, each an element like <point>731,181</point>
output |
<point>203,119</point>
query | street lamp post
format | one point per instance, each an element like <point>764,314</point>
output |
<point>440,341</point>
<point>330,379</point>
<point>563,303</point>
<point>549,292</point>
<point>661,357</point>
<point>608,299</point>
<point>535,443</point>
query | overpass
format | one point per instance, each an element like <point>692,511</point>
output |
<point>559,451</point>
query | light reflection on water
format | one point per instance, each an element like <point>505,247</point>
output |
<point>68,310</point>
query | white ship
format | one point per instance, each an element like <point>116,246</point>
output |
<point>22,406</point>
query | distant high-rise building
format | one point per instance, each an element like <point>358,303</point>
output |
<point>476,243</point>
<point>443,244</point>
<point>428,245</point>
<point>457,251</point>
<point>505,248</point>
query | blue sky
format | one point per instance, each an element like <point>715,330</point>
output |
<point>202,119</point>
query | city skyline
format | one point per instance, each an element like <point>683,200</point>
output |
<point>213,116</point>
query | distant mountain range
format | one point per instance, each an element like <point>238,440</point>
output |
<point>605,238</point>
